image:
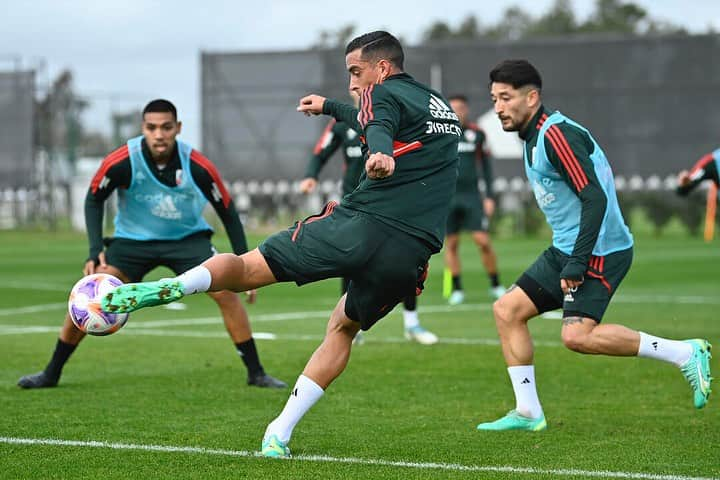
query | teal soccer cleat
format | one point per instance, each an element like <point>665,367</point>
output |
<point>697,371</point>
<point>134,296</point>
<point>273,447</point>
<point>514,421</point>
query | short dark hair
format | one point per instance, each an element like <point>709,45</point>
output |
<point>378,45</point>
<point>518,73</point>
<point>160,106</point>
<point>458,96</point>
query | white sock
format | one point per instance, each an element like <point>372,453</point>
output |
<point>527,402</point>
<point>410,319</point>
<point>195,280</point>
<point>673,351</point>
<point>303,396</point>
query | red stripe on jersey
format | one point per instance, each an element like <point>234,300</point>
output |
<point>322,141</point>
<point>702,163</point>
<point>114,158</point>
<point>209,167</point>
<point>556,145</point>
<point>602,264</point>
<point>567,157</point>
<point>361,113</point>
<point>367,105</point>
<point>541,120</point>
<point>400,148</point>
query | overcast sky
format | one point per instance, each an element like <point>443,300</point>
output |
<point>124,53</point>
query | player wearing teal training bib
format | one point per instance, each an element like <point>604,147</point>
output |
<point>163,184</point>
<point>590,254</point>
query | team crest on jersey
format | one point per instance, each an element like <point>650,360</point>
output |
<point>178,176</point>
<point>351,134</point>
<point>470,135</point>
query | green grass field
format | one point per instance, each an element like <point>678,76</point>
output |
<point>170,400</point>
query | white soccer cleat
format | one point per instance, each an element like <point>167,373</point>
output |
<point>420,335</point>
<point>456,297</point>
<point>497,292</point>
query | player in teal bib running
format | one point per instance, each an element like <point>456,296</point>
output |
<point>590,254</point>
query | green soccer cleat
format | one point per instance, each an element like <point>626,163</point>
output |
<point>514,421</point>
<point>697,371</point>
<point>134,296</point>
<point>273,447</point>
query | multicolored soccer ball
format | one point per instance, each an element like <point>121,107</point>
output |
<point>84,305</point>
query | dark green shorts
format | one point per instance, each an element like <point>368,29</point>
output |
<point>541,282</point>
<point>136,258</point>
<point>384,264</point>
<point>467,213</point>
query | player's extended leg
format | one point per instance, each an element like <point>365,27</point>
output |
<point>489,260</point>
<point>585,335</point>
<point>325,365</point>
<point>236,323</point>
<point>452,262</point>
<point>225,271</point>
<point>512,312</point>
<point>413,330</point>
<point>68,340</point>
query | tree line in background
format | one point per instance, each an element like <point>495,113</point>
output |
<point>608,16</point>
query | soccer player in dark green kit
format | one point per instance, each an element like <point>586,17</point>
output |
<point>381,236</point>
<point>707,168</point>
<point>338,135</point>
<point>591,252</point>
<point>469,211</point>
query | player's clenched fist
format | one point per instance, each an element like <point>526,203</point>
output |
<point>312,104</point>
<point>379,165</point>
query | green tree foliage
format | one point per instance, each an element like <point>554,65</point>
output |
<point>609,16</point>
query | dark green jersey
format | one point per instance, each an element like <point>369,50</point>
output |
<point>414,124</point>
<point>472,151</point>
<point>336,135</point>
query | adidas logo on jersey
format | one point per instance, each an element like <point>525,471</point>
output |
<point>438,109</point>
<point>166,209</point>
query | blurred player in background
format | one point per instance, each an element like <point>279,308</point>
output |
<point>469,210</point>
<point>381,235</point>
<point>591,251</point>
<point>339,135</point>
<point>163,185</point>
<point>707,168</point>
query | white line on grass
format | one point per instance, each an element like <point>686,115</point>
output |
<point>18,330</point>
<point>351,460</point>
<point>467,307</point>
<point>32,309</point>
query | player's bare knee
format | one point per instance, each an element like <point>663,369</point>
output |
<point>504,312</point>
<point>575,340</point>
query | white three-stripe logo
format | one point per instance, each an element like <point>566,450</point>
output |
<point>437,104</point>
